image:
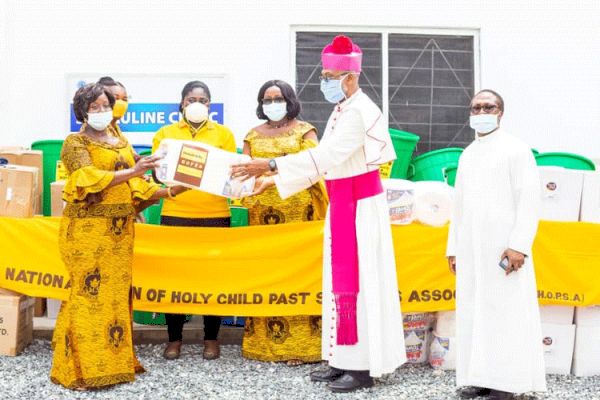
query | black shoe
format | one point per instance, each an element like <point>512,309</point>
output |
<point>472,392</point>
<point>328,375</point>
<point>349,383</point>
<point>498,395</point>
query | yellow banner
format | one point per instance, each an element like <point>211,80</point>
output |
<point>276,270</point>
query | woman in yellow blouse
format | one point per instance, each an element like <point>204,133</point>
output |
<point>293,339</point>
<point>195,208</point>
<point>93,337</point>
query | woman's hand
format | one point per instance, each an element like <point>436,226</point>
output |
<point>256,167</point>
<point>144,164</point>
<point>262,184</point>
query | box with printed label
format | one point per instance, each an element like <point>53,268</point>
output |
<point>561,193</point>
<point>18,190</point>
<point>558,341</point>
<point>28,158</point>
<point>16,322</point>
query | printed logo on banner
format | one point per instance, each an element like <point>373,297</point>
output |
<point>150,117</point>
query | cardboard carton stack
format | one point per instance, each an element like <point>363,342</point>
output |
<point>16,322</point>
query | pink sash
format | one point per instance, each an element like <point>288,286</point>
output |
<point>343,197</point>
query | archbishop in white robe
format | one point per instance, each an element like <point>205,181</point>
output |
<point>498,329</point>
<point>356,141</point>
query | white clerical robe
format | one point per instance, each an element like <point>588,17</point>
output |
<point>498,329</point>
<point>356,141</point>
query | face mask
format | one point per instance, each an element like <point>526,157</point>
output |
<point>275,111</point>
<point>120,108</point>
<point>332,90</point>
<point>99,121</point>
<point>196,112</point>
<point>484,123</point>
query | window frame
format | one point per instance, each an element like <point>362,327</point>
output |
<point>385,31</point>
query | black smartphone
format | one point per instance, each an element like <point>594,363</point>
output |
<point>503,263</point>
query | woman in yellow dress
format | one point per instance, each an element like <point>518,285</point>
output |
<point>292,339</point>
<point>92,340</point>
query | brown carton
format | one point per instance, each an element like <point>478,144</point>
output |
<point>16,322</point>
<point>40,307</point>
<point>18,190</point>
<point>56,199</point>
<point>28,158</point>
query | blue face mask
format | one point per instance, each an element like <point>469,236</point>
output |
<point>332,90</point>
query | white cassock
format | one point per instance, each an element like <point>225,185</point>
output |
<point>356,141</point>
<point>498,329</point>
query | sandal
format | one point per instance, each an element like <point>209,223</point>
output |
<point>212,350</point>
<point>173,350</point>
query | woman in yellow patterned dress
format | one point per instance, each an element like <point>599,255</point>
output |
<point>293,339</point>
<point>92,340</point>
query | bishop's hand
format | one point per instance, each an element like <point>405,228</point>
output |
<point>255,167</point>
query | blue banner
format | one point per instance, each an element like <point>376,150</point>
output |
<point>150,117</point>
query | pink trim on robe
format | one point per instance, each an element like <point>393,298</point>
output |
<point>344,194</point>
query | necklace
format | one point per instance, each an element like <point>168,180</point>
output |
<point>277,126</point>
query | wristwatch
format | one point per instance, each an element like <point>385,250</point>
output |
<point>272,165</point>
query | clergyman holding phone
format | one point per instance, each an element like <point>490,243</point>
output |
<point>498,329</point>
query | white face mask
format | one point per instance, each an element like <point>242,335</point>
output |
<point>484,123</point>
<point>99,121</point>
<point>275,111</point>
<point>196,112</point>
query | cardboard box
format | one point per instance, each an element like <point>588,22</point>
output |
<point>16,322</point>
<point>18,190</point>
<point>561,193</point>
<point>586,359</point>
<point>558,341</point>
<point>56,198</point>
<point>562,315</point>
<point>587,316</point>
<point>590,197</point>
<point>53,307</point>
<point>28,158</point>
<point>39,309</point>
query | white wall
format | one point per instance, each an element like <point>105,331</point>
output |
<point>542,55</point>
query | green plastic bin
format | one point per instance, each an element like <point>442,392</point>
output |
<point>450,174</point>
<point>431,166</point>
<point>152,213</point>
<point>239,216</point>
<point>51,154</point>
<point>404,145</point>
<point>535,152</point>
<point>566,160</point>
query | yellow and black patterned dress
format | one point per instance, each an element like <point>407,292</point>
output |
<point>292,337</point>
<point>92,340</point>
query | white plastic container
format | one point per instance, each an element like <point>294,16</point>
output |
<point>590,197</point>
<point>433,202</point>
<point>558,341</point>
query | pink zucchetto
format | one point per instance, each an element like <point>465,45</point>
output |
<point>342,55</point>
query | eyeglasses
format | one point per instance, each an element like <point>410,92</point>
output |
<point>487,108</point>
<point>328,78</point>
<point>276,100</point>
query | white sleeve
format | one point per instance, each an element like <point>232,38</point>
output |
<point>525,182</point>
<point>456,217</point>
<point>301,170</point>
